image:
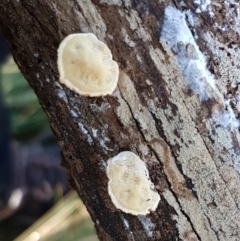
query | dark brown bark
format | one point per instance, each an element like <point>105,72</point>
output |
<point>191,156</point>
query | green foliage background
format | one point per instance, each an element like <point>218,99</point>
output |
<point>68,219</point>
<point>26,115</point>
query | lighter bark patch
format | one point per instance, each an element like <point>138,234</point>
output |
<point>94,18</point>
<point>135,23</point>
<point>111,2</point>
<point>184,227</point>
<point>227,66</point>
<point>127,38</point>
<point>142,116</point>
<point>140,112</point>
<point>123,111</point>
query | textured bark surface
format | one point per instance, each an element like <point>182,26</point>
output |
<point>176,106</point>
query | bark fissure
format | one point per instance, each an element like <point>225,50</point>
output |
<point>176,197</point>
<point>132,115</point>
<point>81,11</point>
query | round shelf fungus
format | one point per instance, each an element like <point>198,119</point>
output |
<point>86,66</point>
<point>129,186</point>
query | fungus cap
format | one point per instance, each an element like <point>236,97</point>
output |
<point>86,66</point>
<point>129,186</point>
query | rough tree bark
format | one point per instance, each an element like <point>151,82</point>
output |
<point>176,106</point>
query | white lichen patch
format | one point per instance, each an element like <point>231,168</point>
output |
<point>127,227</point>
<point>125,222</point>
<point>103,165</point>
<point>226,118</point>
<point>85,132</point>
<point>147,225</point>
<point>129,185</point>
<point>233,14</point>
<point>94,132</point>
<point>58,85</point>
<point>227,67</point>
<point>103,145</point>
<point>223,28</point>
<point>111,2</point>
<point>227,59</point>
<point>85,65</point>
<point>127,39</point>
<point>74,114</point>
<point>204,6</point>
<point>36,55</point>
<point>62,95</point>
<point>178,37</point>
<point>103,139</point>
<point>191,18</point>
<point>193,21</point>
<point>100,108</point>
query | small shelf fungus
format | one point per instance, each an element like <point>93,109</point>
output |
<point>129,186</point>
<point>86,66</point>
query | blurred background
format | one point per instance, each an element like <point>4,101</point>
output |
<point>36,203</point>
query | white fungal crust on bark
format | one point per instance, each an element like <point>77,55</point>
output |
<point>85,65</point>
<point>129,186</point>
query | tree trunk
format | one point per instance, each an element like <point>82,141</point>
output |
<point>176,106</point>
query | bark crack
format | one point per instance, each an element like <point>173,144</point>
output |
<point>80,10</point>
<point>36,19</point>
<point>175,195</point>
<point>132,115</point>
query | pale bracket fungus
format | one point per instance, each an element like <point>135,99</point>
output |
<point>129,185</point>
<point>86,66</point>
